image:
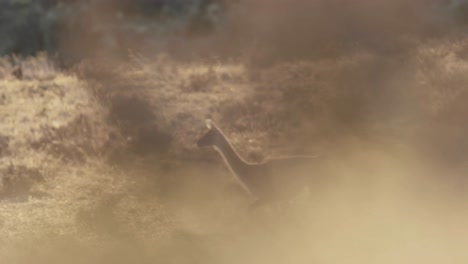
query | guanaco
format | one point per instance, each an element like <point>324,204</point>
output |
<point>266,181</point>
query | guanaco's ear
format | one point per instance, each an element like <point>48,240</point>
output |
<point>209,123</point>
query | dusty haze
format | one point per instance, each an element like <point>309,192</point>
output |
<point>99,164</point>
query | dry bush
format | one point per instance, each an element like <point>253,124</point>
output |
<point>313,100</point>
<point>17,182</point>
<point>56,112</point>
<point>157,103</point>
<point>441,93</point>
<point>48,118</point>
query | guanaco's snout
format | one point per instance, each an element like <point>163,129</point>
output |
<point>209,138</point>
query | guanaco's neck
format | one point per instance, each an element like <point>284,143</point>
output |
<point>236,164</point>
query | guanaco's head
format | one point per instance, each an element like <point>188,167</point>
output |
<point>210,138</point>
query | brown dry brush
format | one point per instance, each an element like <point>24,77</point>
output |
<point>122,89</point>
